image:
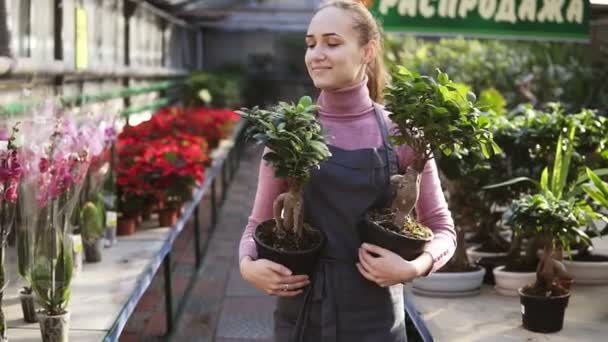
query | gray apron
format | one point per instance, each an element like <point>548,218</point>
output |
<point>341,305</point>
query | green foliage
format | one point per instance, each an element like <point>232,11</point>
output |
<point>24,252</point>
<point>52,276</point>
<point>596,189</point>
<point>221,88</point>
<point>556,210</point>
<point>91,221</point>
<point>436,114</point>
<point>543,213</point>
<point>491,100</point>
<point>560,71</point>
<point>293,135</point>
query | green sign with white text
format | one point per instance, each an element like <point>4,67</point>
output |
<point>517,19</point>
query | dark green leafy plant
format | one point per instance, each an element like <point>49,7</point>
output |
<point>432,115</point>
<point>296,146</point>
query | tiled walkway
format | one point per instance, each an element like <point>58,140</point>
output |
<point>221,306</point>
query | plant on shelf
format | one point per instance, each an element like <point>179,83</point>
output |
<point>295,147</point>
<point>10,176</point>
<point>91,209</point>
<point>56,160</point>
<point>429,115</point>
<point>175,166</point>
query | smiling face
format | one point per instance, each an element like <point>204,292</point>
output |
<point>335,57</point>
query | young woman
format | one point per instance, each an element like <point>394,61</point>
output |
<point>355,295</point>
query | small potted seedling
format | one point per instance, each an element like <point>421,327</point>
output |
<point>295,146</point>
<point>428,115</point>
<point>92,229</point>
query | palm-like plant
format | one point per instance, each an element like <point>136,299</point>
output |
<point>431,115</point>
<point>296,146</point>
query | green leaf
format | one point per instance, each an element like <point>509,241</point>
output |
<point>305,101</point>
<point>596,195</point>
<point>485,151</point>
<point>443,78</point>
<point>561,165</point>
<point>544,180</point>
<point>599,184</point>
<point>495,147</point>
<point>585,177</point>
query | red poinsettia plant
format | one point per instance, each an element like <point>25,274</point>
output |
<point>165,157</point>
<point>174,166</point>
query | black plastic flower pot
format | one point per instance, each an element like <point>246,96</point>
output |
<point>490,263</point>
<point>408,248</point>
<point>299,262</point>
<point>543,314</point>
<point>92,250</point>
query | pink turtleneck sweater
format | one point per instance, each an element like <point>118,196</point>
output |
<point>349,122</point>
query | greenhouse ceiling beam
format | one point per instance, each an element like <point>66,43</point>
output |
<point>29,67</point>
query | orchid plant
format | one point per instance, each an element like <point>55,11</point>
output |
<point>56,162</point>
<point>10,175</point>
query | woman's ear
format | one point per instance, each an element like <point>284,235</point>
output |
<point>369,51</point>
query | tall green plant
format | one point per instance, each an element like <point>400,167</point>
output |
<point>296,146</point>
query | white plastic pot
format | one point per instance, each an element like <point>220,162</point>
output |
<point>588,272</point>
<point>450,284</point>
<point>507,283</point>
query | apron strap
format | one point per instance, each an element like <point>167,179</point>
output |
<point>391,157</point>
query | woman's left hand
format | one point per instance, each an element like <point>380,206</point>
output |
<point>387,268</point>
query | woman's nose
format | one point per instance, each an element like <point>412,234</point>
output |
<point>317,54</point>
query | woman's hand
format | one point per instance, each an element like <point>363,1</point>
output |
<point>272,278</point>
<point>389,268</point>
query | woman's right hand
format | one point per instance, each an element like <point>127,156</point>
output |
<point>272,278</point>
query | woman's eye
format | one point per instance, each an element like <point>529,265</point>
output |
<point>332,44</point>
<point>310,46</point>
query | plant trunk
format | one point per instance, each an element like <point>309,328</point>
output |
<point>288,210</point>
<point>460,261</point>
<point>407,193</point>
<point>550,272</point>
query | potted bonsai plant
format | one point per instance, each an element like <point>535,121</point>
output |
<point>519,268</point>
<point>296,146</point>
<point>429,115</point>
<point>555,214</point>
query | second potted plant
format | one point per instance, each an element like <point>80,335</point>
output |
<point>428,114</point>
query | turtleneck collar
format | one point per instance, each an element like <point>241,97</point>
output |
<point>345,103</point>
